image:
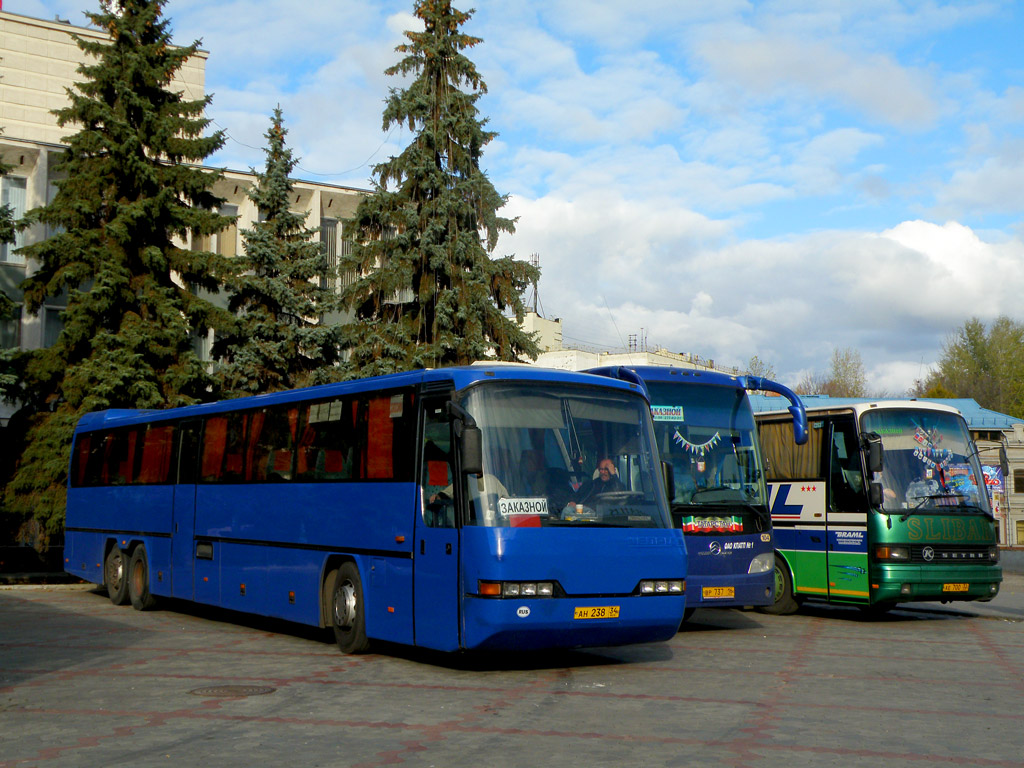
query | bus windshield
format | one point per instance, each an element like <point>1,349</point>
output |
<point>557,455</point>
<point>928,462</point>
<point>711,443</point>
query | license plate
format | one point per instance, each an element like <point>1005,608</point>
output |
<point>596,612</point>
<point>955,587</point>
<point>710,593</point>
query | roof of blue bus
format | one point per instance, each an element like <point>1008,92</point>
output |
<point>460,377</point>
<point>685,375</point>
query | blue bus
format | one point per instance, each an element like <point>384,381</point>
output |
<point>433,508</point>
<point>705,430</point>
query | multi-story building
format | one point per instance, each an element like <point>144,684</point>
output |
<point>38,62</point>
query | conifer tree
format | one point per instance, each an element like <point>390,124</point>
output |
<point>426,291</point>
<point>132,191</point>
<point>278,339</point>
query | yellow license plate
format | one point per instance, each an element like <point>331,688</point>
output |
<point>955,587</point>
<point>596,612</point>
<point>718,592</point>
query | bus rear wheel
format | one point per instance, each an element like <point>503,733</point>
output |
<point>348,612</point>
<point>138,581</point>
<point>115,575</point>
<point>784,603</point>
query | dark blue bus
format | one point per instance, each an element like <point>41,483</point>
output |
<point>432,508</point>
<point>705,430</point>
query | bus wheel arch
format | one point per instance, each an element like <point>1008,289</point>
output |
<point>785,601</point>
<point>138,580</point>
<point>115,573</point>
<point>348,610</point>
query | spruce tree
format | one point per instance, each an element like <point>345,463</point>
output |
<point>425,290</point>
<point>278,339</point>
<point>131,192</point>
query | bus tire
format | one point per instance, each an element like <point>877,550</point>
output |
<point>115,575</point>
<point>138,581</point>
<point>784,603</point>
<point>348,611</point>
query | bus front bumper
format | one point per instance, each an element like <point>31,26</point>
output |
<point>535,623</point>
<point>913,583</point>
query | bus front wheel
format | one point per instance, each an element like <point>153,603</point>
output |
<point>784,600</point>
<point>348,612</point>
<point>115,575</point>
<point>138,581</point>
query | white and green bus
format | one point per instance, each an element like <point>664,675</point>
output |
<point>885,503</point>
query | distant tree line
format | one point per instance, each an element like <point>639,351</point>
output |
<point>423,291</point>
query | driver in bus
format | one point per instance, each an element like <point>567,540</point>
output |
<point>607,481</point>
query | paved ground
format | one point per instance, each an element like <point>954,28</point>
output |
<point>83,683</point>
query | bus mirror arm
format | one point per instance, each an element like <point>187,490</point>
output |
<point>796,410</point>
<point>469,437</point>
<point>871,443</point>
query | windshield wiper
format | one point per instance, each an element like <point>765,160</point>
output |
<point>948,495</point>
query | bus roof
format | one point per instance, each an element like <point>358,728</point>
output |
<point>769,405</point>
<point>458,378</point>
<point>685,375</point>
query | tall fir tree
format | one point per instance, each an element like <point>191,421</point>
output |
<point>131,192</point>
<point>279,339</point>
<point>425,290</point>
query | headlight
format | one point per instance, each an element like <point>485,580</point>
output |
<point>663,587</point>
<point>515,588</point>
<point>898,554</point>
<point>993,554</point>
<point>762,563</point>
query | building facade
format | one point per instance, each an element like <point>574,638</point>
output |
<point>39,62</point>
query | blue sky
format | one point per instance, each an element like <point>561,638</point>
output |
<point>734,178</point>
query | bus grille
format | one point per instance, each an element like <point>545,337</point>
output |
<point>949,554</point>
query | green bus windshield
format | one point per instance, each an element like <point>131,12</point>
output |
<point>929,462</point>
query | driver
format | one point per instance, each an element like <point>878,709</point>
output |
<point>607,481</point>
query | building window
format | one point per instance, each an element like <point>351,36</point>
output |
<point>10,331</point>
<point>1019,541</point>
<point>1018,481</point>
<point>53,324</point>
<point>13,191</point>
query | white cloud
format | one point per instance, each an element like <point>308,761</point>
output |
<point>771,68</point>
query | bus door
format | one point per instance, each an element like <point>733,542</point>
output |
<point>436,590</point>
<point>183,523</point>
<point>846,514</point>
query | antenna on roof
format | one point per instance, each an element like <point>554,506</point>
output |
<point>534,302</point>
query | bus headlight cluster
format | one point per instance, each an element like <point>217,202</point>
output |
<point>895,554</point>
<point>516,588</point>
<point>663,587</point>
<point>993,554</point>
<point>762,563</point>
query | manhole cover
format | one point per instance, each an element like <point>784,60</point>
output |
<point>231,691</point>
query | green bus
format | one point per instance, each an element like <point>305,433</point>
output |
<point>885,503</point>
